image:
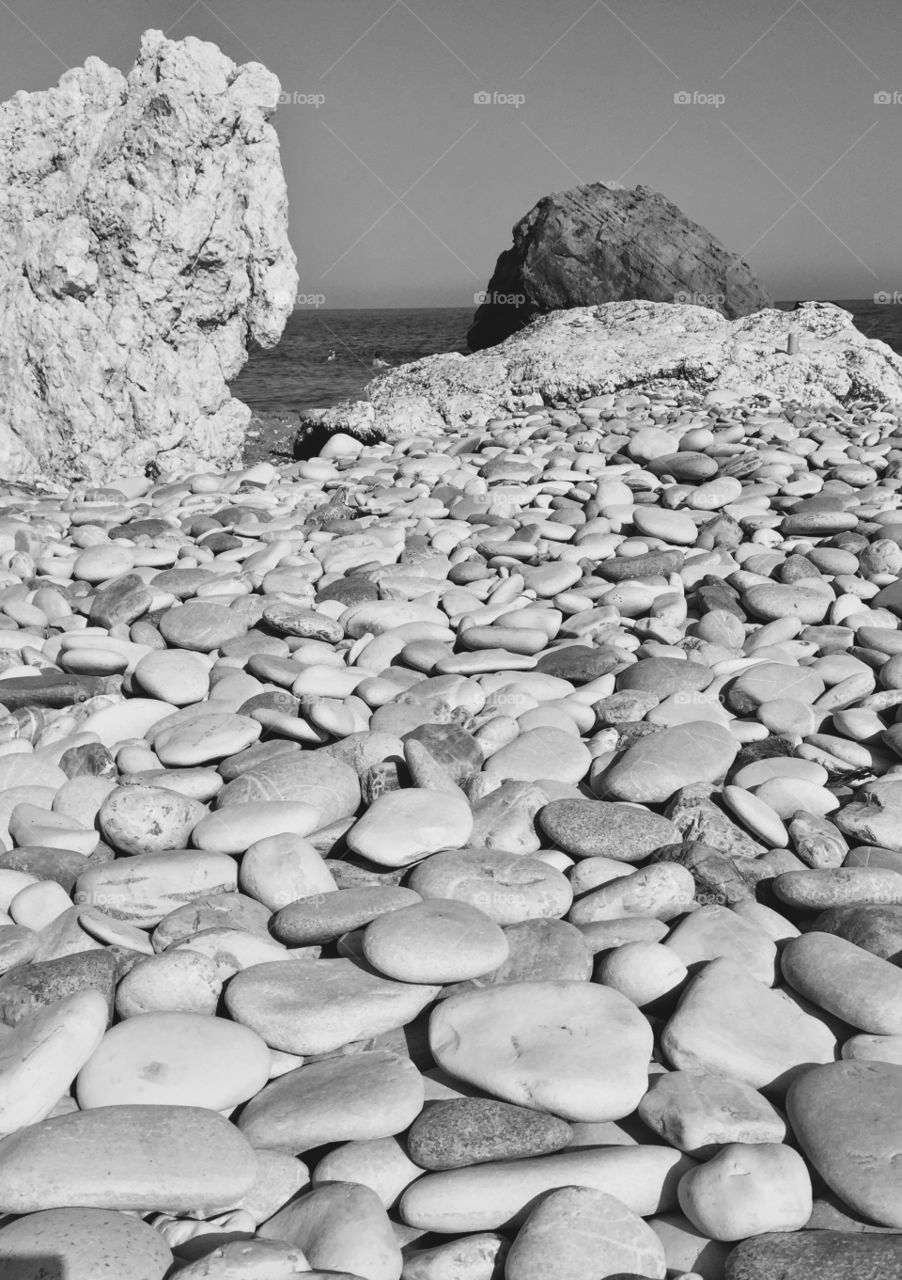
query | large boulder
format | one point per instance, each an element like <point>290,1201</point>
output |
<point>143,244</point>
<point>586,351</point>
<point>608,243</point>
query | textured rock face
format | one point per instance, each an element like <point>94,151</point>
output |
<point>607,243</point>
<point>143,243</point>
<point>586,351</point>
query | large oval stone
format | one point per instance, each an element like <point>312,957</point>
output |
<point>577,1050</point>
<point>509,887</point>
<point>315,1006</point>
<point>828,1255</point>
<point>597,829</point>
<point>82,1244</point>
<point>845,980</point>
<point>403,826</point>
<point>485,1197</point>
<point>727,1021</point>
<point>328,784</point>
<point>183,1059</point>
<point>148,819</point>
<point>43,1053</point>
<point>146,888</point>
<point>656,766</point>
<point>436,941</point>
<point>323,917</point>
<point>201,626</point>
<point>877,929</point>
<point>847,1117</point>
<point>341,1227</point>
<point>465,1131</point>
<point>349,1098</point>
<point>180,1159</point>
<point>583,1233</point>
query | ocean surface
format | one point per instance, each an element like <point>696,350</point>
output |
<point>297,374</point>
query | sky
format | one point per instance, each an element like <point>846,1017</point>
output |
<point>415,133</point>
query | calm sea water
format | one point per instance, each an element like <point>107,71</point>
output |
<point>297,374</point>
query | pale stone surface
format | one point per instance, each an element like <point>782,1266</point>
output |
<point>572,1048</point>
<point>319,1005</point>
<point>145,889</point>
<point>176,981</point>
<point>586,351</point>
<point>378,1163</point>
<point>435,941</point>
<point>582,1233</point>
<point>340,1227</point>
<point>698,1111</point>
<point>83,1244</point>
<point>714,931</point>
<point>487,1196</point>
<point>845,980</point>
<point>180,1059</point>
<point>255,1259</point>
<point>126,1157</point>
<point>43,1054</point>
<point>746,1190</point>
<point>148,819</point>
<point>352,1097</point>
<point>135,379</point>
<point>846,1117</point>
<point>401,827</point>
<point>731,1023</point>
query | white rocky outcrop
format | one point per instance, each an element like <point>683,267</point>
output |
<point>585,351</point>
<point>143,245</point>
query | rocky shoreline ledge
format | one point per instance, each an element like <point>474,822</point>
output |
<point>472,855</point>
<point>567,357</point>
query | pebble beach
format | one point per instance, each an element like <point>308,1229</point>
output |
<point>462,859</point>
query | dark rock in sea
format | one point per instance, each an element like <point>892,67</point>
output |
<point>606,243</point>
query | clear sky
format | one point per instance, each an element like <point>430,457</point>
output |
<point>404,189</point>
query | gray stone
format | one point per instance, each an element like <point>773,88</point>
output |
<point>600,829</point>
<point>465,1131</point>
<point>829,1255</point>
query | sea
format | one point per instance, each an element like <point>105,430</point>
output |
<point>298,375</point>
